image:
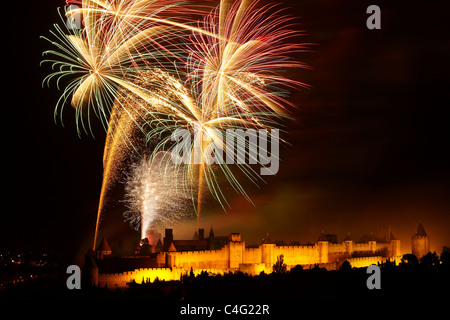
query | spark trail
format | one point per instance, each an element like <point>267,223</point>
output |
<point>147,68</point>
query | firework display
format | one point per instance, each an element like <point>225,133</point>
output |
<point>148,68</point>
<point>155,196</point>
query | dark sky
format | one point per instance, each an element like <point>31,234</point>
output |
<point>369,147</point>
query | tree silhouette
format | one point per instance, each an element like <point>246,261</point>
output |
<point>445,258</point>
<point>346,266</point>
<point>388,264</point>
<point>280,266</point>
<point>144,248</point>
<point>296,270</point>
<point>430,259</point>
<point>410,259</point>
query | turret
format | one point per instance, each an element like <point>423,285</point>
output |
<point>348,241</point>
<point>90,269</point>
<point>236,249</point>
<point>201,234</point>
<point>211,239</point>
<point>234,237</point>
<point>420,242</point>
<point>159,246</point>
<point>322,248</point>
<point>372,243</point>
<point>103,250</point>
<point>168,239</point>
<point>394,250</point>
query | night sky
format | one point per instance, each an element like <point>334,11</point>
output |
<point>369,146</point>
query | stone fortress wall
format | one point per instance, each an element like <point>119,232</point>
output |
<point>234,256</point>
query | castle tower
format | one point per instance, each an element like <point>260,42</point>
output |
<point>103,250</point>
<point>267,247</point>
<point>372,243</point>
<point>171,259</point>
<point>394,248</point>
<point>348,242</point>
<point>236,249</point>
<point>211,239</point>
<point>420,242</point>
<point>201,234</point>
<point>168,239</point>
<point>90,269</point>
<point>322,248</point>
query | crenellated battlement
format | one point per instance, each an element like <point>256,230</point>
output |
<point>234,256</point>
<point>361,262</point>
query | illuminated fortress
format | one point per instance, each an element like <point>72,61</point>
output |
<point>220,254</point>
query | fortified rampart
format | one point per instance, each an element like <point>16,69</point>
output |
<point>122,279</point>
<point>234,256</point>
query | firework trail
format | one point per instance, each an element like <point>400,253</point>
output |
<point>233,82</point>
<point>157,90</point>
<point>155,194</point>
<point>135,67</point>
<point>104,60</point>
<point>110,51</point>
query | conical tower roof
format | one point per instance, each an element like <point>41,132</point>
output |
<point>104,246</point>
<point>267,240</point>
<point>392,236</point>
<point>172,248</point>
<point>421,230</point>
